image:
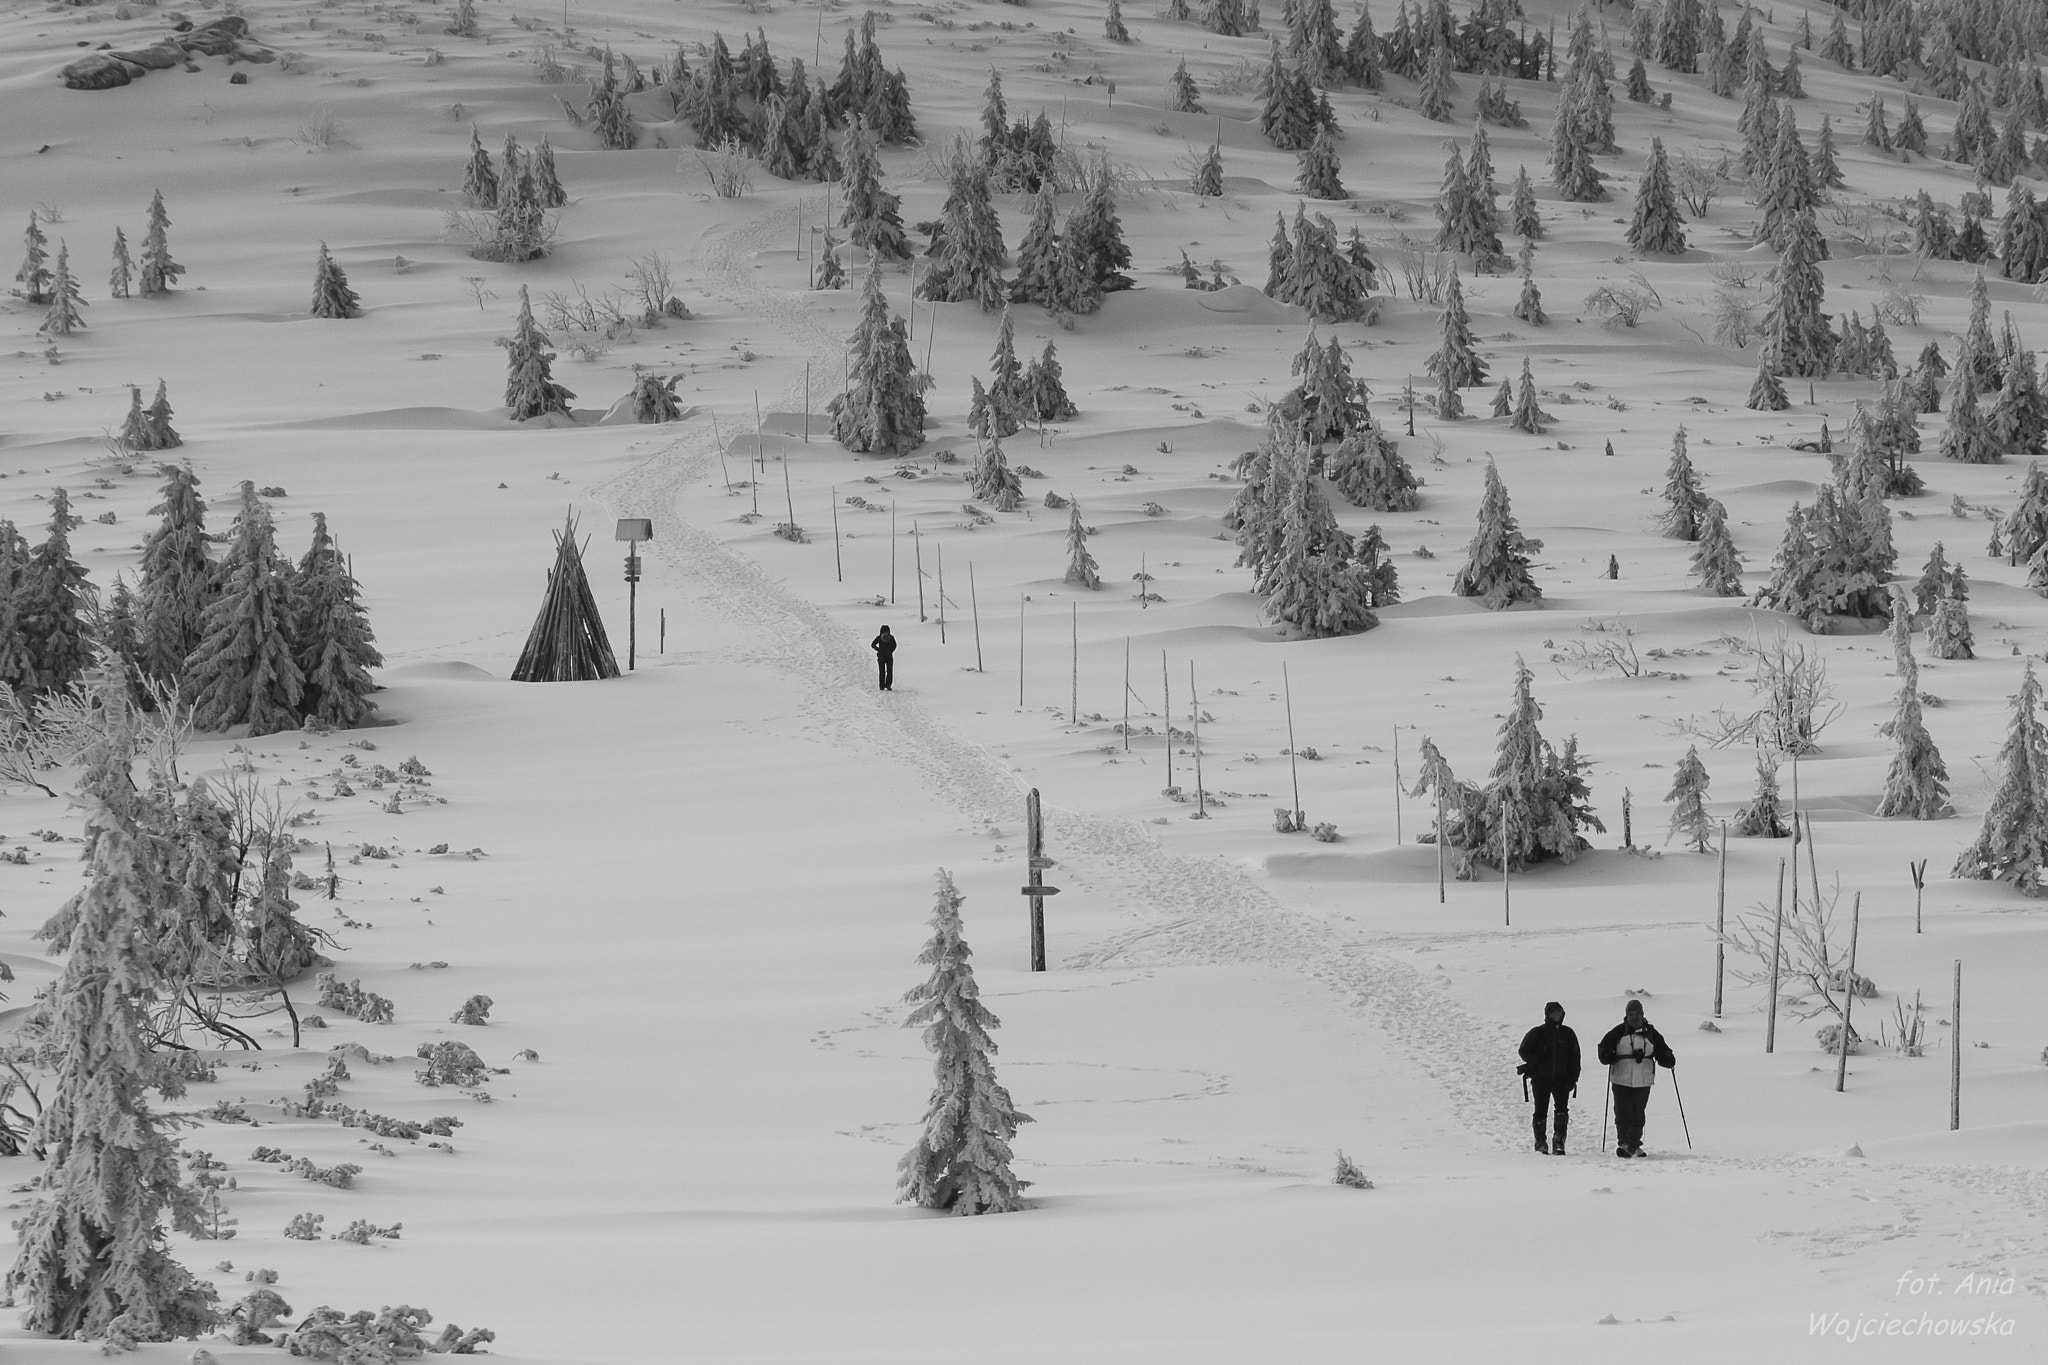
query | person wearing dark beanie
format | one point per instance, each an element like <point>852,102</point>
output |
<point>1550,1069</point>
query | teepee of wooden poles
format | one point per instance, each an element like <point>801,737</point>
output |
<point>567,643</point>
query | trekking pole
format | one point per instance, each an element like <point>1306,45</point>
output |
<point>1606,1092</point>
<point>1680,1096</point>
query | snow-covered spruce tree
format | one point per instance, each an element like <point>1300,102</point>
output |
<point>882,408</point>
<point>1714,558</point>
<point>1827,171</point>
<point>611,120</point>
<point>872,216</point>
<point>547,183</point>
<point>1504,399</point>
<point>17,670</point>
<point>332,298</point>
<point>967,254</point>
<point>1764,816</point>
<point>1527,416</point>
<point>990,477</point>
<point>1497,562</point>
<point>92,1262</point>
<point>1207,180</point>
<point>1978,353</point>
<point>1876,132</point>
<point>1433,101</point>
<point>1788,189</point>
<point>1522,214</point>
<point>2013,844</point>
<point>1039,260</point>
<point>1767,394</point>
<point>1113,24</point>
<point>159,271</point>
<point>1005,382</point>
<point>1363,62</point>
<point>335,646</point>
<point>63,318</point>
<point>1182,95</point>
<point>1538,790</point>
<point>1287,116</point>
<point>1082,571</point>
<point>530,387</point>
<point>244,669</point>
<point>1045,395</point>
<point>1797,340</point>
<point>1529,306</point>
<point>1455,363</point>
<point>177,578</point>
<point>961,1164</point>
<point>2019,415</point>
<point>157,419</point>
<point>1319,170</point>
<point>1330,401</point>
<point>1685,501</point>
<point>479,176</point>
<point>1966,436</point>
<point>1451,215</point>
<point>1369,472</point>
<point>1916,784</point>
<point>1656,229</point>
<point>1311,586</point>
<point>1912,132</point>
<point>1320,277</point>
<point>121,278</point>
<point>1688,796</point>
<point>2025,529</point>
<point>1939,578</point>
<point>654,397</point>
<point>34,275</point>
<point>1948,629</point>
<point>51,604</point>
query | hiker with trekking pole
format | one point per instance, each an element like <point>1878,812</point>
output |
<point>1550,1063</point>
<point>1632,1051</point>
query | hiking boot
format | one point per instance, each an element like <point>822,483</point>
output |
<point>1623,1151</point>
<point>1542,1147</point>
<point>1557,1147</point>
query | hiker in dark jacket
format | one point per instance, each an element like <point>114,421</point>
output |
<point>1550,1069</point>
<point>884,646</point>
<point>1632,1051</point>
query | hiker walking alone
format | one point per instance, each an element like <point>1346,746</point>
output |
<point>1550,1068</point>
<point>884,646</point>
<point>1632,1052</point>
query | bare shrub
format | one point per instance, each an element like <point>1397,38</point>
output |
<point>1623,305</point>
<point>729,168</point>
<point>1425,270</point>
<point>1699,176</point>
<point>1794,700</point>
<point>587,326</point>
<point>1735,304</point>
<point>1813,958</point>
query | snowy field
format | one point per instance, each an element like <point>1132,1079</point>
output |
<point>696,893</point>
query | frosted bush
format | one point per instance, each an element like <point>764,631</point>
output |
<point>304,1227</point>
<point>451,1063</point>
<point>362,1230</point>
<point>1348,1174</point>
<point>475,1010</point>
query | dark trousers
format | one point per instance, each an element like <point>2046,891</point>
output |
<point>887,663</point>
<point>1630,1104</point>
<point>1546,1092</point>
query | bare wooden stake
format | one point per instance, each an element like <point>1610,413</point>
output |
<point>1721,922</point>
<point>1777,956</point>
<point>1166,694</point>
<point>892,552</point>
<point>719,441</point>
<point>1440,848</point>
<point>1293,764</point>
<point>917,565</point>
<point>1506,911</point>
<point>1955,1053</point>
<point>1919,871</point>
<point>1397,786</point>
<point>1127,694</point>
<point>1074,624</point>
<point>838,562</point>
<point>1195,713</point>
<point>1020,649</point>
<point>1848,996</point>
<point>941,547</point>
<point>974,604</point>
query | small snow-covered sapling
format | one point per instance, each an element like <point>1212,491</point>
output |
<point>451,1063</point>
<point>1349,1175</point>
<point>475,1010</point>
<point>304,1227</point>
<point>258,1309</point>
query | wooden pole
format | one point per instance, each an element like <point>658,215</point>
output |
<point>974,604</point>
<point>1397,786</point>
<point>1955,1053</point>
<point>1919,870</point>
<point>1074,637</point>
<point>838,561</point>
<point>892,552</point>
<point>1166,705</point>
<point>807,402</point>
<point>788,498</point>
<point>753,475</point>
<point>1144,583</point>
<point>664,630</point>
<point>1293,763</point>
<point>1777,956</point>
<point>1848,995</point>
<point>1020,649</point>
<point>1812,870</point>
<point>719,441</point>
<point>942,592</point>
<point>1506,911</point>
<point>1127,694</point>
<point>1721,922</point>
<point>1034,843</point>
<point>917,552</point>
<point>1440,848</point>
<point>1195,716</point>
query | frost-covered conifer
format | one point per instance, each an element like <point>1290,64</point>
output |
<point>1522,214</point>
<point>92,1261</point>
<point>332,298</point>
<point>1912,133</point>
<point>872,216</point>
<point>1497,562</point>
<point>1320,278</point>
<point>1656,228</point>
<point>1369,472</point>
<point>1113,24</point>
<point>1454,362</point>
<point>1714,558</point>
<point>1095,235</point>
<point>1039,263</point>
<point>1938,578</point>
<point>1045,396</point>
<point>1280,262</point>
<point>1767,394</point>
<point>335,647</point>
<point>2013,844</point>
<point>1310,585</point>
<point>1433,101</point>
<point>1916,784</point>
<point>1318,169</point>
<point>159,271</point>
<point>122,277</point>
<point>1827,171</point>
<point>51,601</point>
<point>177,578</point>
<point>1966,436</point>
<point>990,477</point>
<point>1685,502</point>
<point>1688,797</point>
<point>882,408</point>
<point>1527,416</point>
<point>1788,190</point>
<point>34,275</point>
<point>1835,47</point>
<point>1529,306</point>
<point>2019,415</point>
<point>1764,816</point>
<point>63,318</point>
<point>1082,570</point>
<point>1207,181</point>
<point>1948,630</point>
<point>968,254</point>
<point>961,1163</point>
<point>479,176</point>
<point>530,388</point>
<point>1504,398</point>
<point>1876,132</point>
<point>1538,791</point>
<point>2025,528</point>
<point>1797,338</point>
<point>244,669</point>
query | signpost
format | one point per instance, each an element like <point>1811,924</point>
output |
<point>633,530</point>
<point>1036,863</point>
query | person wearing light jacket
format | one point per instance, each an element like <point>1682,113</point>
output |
<point>1632,1051</point>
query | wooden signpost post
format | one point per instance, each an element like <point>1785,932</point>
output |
<point>1036,862</point>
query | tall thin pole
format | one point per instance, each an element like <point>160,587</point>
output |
<point>1166,710</point>
<point>942,592</point>
<point>1195,714</point>
<point>788,498</point>
<point>807,402</point>
<point>1440,847</point>
<point>1127,694</point>
<point>1919,870</point>
<point>838,563</point>
<point>1848,995</point>
<point>1020,649</point>
<point>719,441</point>
<point>753,477</point>
<point>1293,763</point>
<point>1507,917</point>
<point>974,604</point>
<point>1777,956</point>
<point>892,552</point>
<point>1721,922</point>
<point>1144,579</point>
<point>1397,786</point>
<point>1955,1053</point>
<point>1074,625</point>
<point>917,551</point>
<point>1812,870</point>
